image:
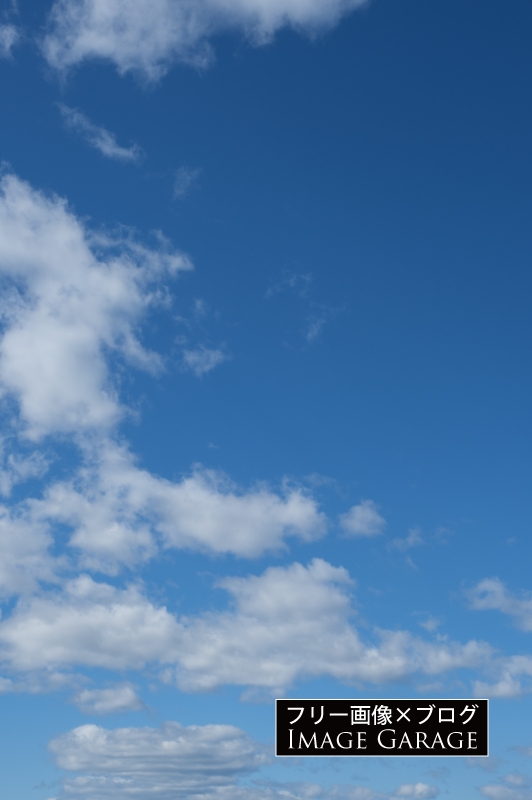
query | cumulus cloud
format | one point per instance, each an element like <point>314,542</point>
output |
<point>490,594</point>
<point>145,36</point>
<point>363,520</point>
<point>99,138</point>
<point>25,559</point>
<point>121,514</point>
<point>201,360</point>
<point>9,36</point>
<point>286,624</point>
<point>70,297</point>
<point>87,624</point>
<point>294,623</point>
<point>116,699</point>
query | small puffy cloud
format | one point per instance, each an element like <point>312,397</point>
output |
<point>412,540</point>
<point>9,36</point>
<point>70,297</point>
<point>363,520</point>
<point>490,594</point>
<point>145,36</point>
<point>512,678</point>
<point>515,787</point>
<point>116,699</point>
<point>167,763</point>
<point>99,138</point>
<point>202,360</point>
<point>431,624</point>
<point>485,763</point>
<point>420,791</point>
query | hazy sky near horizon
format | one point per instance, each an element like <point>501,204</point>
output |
<point>265,385</point>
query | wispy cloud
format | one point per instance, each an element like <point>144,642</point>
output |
<point>99,138</point>
<point>296,282</point>
<point>490,594</point>
<point>201,360</point>
<point>9,36</point>
<point>412,540</point>
<point>316,315</point>
<point>185,179</point>
<point>115,700</point>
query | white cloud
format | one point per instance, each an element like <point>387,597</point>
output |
<point>174,761</point>
<point>294,623</point>
<point>513,675</point>
<point>421,791</point>
<point>116,699</point>
<point>9,36</point>
<point>147,35</point>
<point>24,554</point>
<point>311,791</point>
<point>202,359</point>
<point>286,624</point>
<point>88,624</point>
<point>515,789</point>
<point>72,297</point>
<point>363,520</point>
<point>120,514</point>
<point>169,762</point>
<point>490,594</point>
<point>18,467</point>
<point>99,138</point>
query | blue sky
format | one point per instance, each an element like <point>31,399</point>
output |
<point>265,389</point>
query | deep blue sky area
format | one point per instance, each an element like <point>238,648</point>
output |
<point>355,195</point>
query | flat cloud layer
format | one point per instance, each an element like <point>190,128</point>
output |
<point>147,35</point>
<point>174,761</point>
<point>169,762</point>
